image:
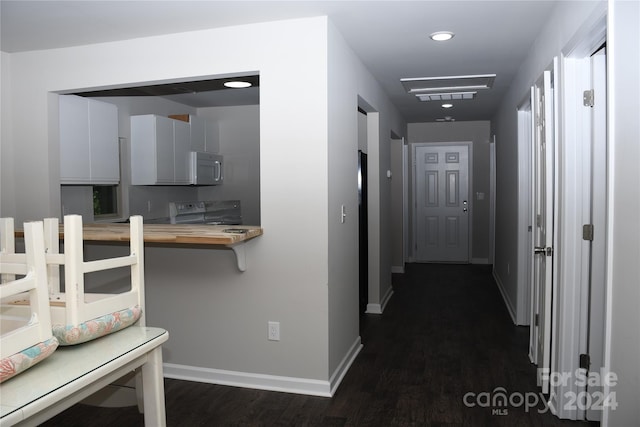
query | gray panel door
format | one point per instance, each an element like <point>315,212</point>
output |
<point>441,203</point>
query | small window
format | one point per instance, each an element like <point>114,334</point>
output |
<point>105,201</point>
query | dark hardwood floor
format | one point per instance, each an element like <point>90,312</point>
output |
<point>444,335</point>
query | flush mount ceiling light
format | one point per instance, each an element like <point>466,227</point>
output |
<point>447,105</point>
<point>237,84</point>
<point>448,83</point>
<point>441,36</point>
<point>447,96</point>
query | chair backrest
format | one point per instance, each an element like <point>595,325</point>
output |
<point>76,268</point>
<point>51,246</point>
<point>32,266</point>
<point>78,309</point>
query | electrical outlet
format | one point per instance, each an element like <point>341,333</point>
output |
<point>273,333</point>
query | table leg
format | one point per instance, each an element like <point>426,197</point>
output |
<point>153,389</point>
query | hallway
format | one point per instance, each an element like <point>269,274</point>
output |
<point>444,335</point>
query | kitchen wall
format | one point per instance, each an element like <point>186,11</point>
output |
<point>217,317</point>
<point>240,145</point>
<point>477,132</point>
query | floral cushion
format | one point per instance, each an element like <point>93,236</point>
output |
<point>96,328</point>
<point>14,364</point>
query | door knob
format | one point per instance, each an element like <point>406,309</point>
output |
<point>542,250</point>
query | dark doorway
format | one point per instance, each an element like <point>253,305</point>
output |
<point>363,233</point>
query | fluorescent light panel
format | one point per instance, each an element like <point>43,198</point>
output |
<point>448,83</point>
<point>447,96</point>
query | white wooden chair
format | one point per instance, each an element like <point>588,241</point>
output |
<point>78,316</point>
<point>24,343</point>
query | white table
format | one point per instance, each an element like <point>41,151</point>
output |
<point>73,373</point>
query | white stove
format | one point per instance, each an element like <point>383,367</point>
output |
<point>215,212</point>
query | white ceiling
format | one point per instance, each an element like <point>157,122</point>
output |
<point>390,37</point>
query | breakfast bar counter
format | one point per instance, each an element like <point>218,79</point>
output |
<point>217,236</point>
<point>197,234</point>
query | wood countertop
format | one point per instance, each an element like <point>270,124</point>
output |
<point>170,233</point>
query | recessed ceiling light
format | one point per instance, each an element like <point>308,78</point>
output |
<point>447,105</point>
<point>441,36</point>
<point>237,84</point>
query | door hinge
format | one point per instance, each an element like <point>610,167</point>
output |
<point>585,361</point>
<point>587,232</point>
<point>536,321</point>
<point>587,98</point>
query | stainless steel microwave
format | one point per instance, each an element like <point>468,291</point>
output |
<point>206,168</point>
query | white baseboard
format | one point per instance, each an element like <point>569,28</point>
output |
<point>397,269</point>
<point>296,385</point>
<point>507,302</point>
<point>345,364</point>
<point>479,260</point>
<point>379,308</point>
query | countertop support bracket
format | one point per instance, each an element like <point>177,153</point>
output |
<point>241,256</point>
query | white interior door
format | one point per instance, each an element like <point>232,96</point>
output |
<point>543,238</point>
<point>441,195</point>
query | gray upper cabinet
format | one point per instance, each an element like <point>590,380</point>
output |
<point>205,135</point>
<point>89,150</point>
<point>159,151</point>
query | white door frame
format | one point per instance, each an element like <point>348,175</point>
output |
<point>575,130</point>
<point>414,226</point>
<point>406,243</point>
<point>523,313</point>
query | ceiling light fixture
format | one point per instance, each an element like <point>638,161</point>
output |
<point>236,84</point>
<point>447,96</point>
<point>446,119</point>
<point>439,84</point>
<point>442,36</point>
<point>447,105</point>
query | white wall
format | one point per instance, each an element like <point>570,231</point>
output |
<point>564,22</point>
<point>397,205</point>
<point>217,317</point>
<point>349,80</point>
<point>7,187</point>
<point>623,343</point>
<point>478,133</point>
<point>240,144</point>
